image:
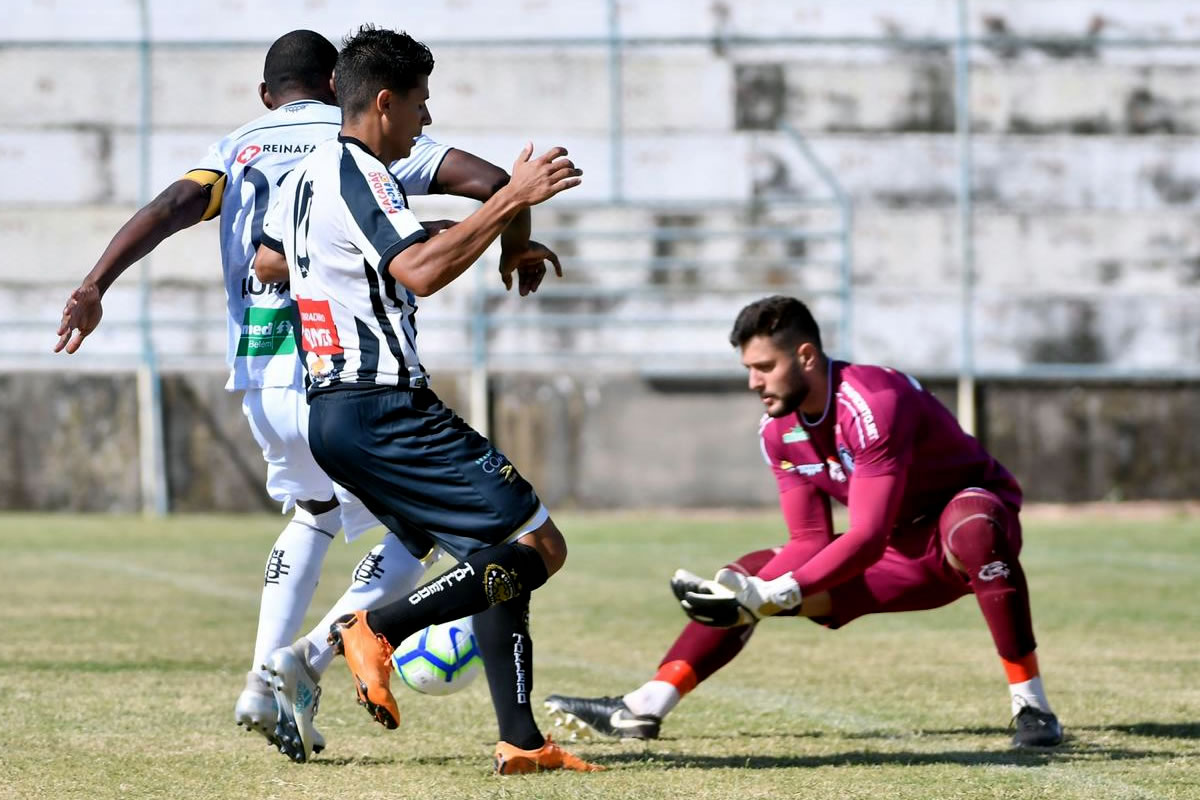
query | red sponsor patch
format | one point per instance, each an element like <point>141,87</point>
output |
<point>248,152</point>
<point>317,328</point>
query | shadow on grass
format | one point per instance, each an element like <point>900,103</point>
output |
<point>859,758</point>
<point>1157,730</point>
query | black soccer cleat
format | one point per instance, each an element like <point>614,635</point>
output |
<point>1036,728</point>
<point>607,716</point>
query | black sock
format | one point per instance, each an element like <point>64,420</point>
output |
<point>503,636</point>
<point>477,583</point>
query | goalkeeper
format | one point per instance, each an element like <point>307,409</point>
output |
<point>933,517</point>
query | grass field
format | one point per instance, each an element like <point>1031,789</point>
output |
<point>126,641</point>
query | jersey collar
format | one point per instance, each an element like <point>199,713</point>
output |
<point>828,402</point>
<point>351,140</point>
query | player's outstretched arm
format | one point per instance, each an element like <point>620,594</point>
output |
<point>179,206</point>
<point>466,175</point>
<point>428,266</point>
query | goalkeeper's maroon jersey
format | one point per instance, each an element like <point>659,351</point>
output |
<point>882,430</point>
<point>879,421</point>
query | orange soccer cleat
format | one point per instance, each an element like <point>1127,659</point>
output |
<point>511,760</point>
<point>369,657</point>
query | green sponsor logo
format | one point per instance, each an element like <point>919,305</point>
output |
<point>796,434</point>
<point>266,332</point>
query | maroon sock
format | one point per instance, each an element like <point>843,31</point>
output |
<point>975,528</point>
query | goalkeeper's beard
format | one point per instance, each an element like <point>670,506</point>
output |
<point>789,402</point>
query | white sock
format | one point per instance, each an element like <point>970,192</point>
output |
<point>653,699</point>
<point>387,573</point>
<point>1029,693</point>
<point>293,569</point>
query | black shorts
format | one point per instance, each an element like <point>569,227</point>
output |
<point>424,472</point>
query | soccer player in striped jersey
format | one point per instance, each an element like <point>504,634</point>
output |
<point>235,182</point>
<point>933,517</point>
<point>357,259</point>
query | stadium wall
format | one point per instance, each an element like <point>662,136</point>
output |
<point>584,441</point>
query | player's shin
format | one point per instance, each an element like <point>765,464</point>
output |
<point>502,632</point>
<point>976,536</point>
<point>290,579</point>
<point>478,582</point>
<point>385,574</point>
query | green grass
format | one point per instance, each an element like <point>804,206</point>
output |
<point>126,641</point>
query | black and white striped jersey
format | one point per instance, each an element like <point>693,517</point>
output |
<point>245,169</point>
<point>340,218</point>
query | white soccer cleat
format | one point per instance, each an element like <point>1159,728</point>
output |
<point>297,692</point>
<point>256,709</point>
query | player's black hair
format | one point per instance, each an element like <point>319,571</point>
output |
<point>299,60</point>
<point>786,320</point>
<point>375,59</point>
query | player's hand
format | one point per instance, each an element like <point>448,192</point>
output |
<point>732,599</point>
<point>535,180</point>
<point>529,265</point>
<point>683,582</point>
<point>80,317</point>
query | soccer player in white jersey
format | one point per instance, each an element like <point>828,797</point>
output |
<point>237,180</point>
<point>357,259</point>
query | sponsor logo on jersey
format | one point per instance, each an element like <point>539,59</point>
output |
<point>253,287</point>
<point>252,151</point>
<point>865,415</point>
<point>796,434</point>
<point>386,192</point>
<point>248,153</point>
<point>266,332</point>
<point>317,328</point>
<point>847,458</point>
<point>808,470</point>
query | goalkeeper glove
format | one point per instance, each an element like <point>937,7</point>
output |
<point>733,599</point>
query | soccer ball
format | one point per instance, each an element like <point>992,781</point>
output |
<point>440,659</point>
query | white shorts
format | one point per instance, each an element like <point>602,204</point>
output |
<point>278,417</point>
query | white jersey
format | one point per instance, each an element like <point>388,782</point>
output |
<point>250,163</point>
<point>339,220</point>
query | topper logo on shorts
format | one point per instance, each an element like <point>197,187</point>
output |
<point>493,462</point>
<point>996,569</point>
<point>499,584</point>
<point>386,192</point>
<point>463,570</point>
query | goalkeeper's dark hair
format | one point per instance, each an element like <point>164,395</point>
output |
<point>299,60</point>
<point>375,59</point>
<point>786,320</point>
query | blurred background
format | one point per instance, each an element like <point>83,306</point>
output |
<point>1001,197</point>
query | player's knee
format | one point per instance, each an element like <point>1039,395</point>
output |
<point>752,563</point>
<point>974,529</point>
<point>550,544</point>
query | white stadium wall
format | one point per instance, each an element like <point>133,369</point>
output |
<point>1086,172</point>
